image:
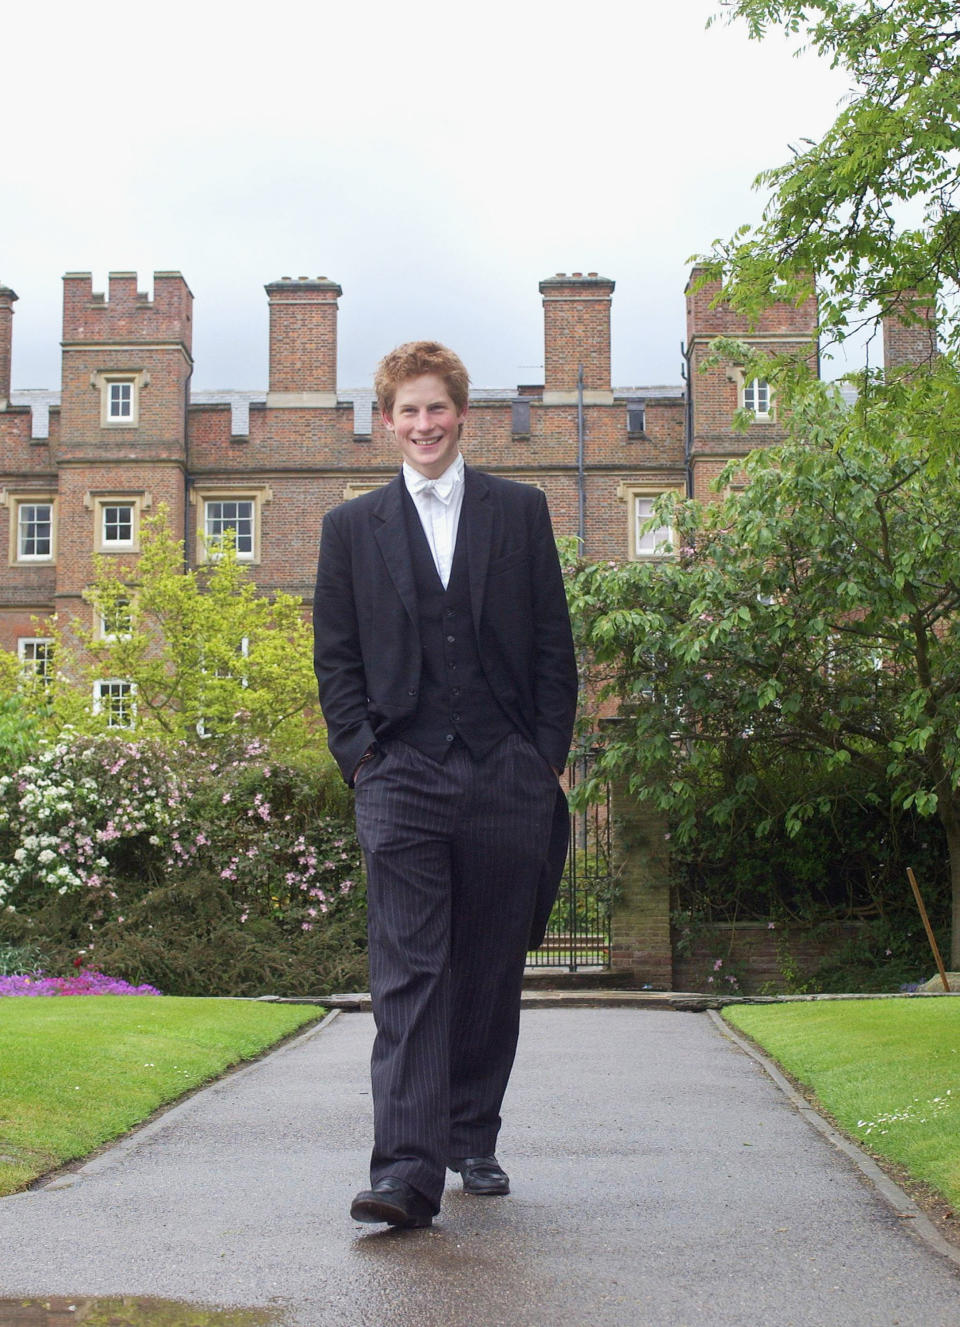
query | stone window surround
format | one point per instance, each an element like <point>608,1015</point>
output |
<point>101,381</point>
<point>258,494</point>
<point>768,416</point>
<point>629,491</point>
<point>96,500</point>
<point>22,498</point>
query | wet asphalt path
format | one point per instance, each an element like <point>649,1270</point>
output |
<point>660,1179</point>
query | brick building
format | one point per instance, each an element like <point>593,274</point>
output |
<point>79,469</point>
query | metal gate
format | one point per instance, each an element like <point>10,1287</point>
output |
<point>578,932</point>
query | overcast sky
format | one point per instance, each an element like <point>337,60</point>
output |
<point>437,160</point>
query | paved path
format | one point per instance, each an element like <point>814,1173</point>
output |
<point>660,1180</point>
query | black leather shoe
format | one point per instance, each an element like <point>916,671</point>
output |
<point>483,1176</point>
<point>393,1201</point>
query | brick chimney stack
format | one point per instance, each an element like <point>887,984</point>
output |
<point>909,332</point>
<point>7,297</point>
<point>303,342</point>
<point>576,330</point>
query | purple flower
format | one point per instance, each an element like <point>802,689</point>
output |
<point>82,982</point>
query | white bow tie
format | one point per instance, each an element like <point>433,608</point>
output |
<point>442,488</point>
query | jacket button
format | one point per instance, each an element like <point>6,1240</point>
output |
<point>451,639</point>
<point>412,691</point>
<point>455,718</point>
<point>450,737</point>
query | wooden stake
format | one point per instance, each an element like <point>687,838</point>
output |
<point>928,928</point>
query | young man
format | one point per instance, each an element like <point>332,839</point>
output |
<point>448,683</point>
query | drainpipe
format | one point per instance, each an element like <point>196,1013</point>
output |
<point>581,489</point>
<point>187,481</point>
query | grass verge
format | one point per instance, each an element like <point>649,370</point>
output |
<point>79,1071</point>
<point>887,1071</point>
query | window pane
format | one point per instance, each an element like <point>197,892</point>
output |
<point>120,400</point>
<point>651,541</point>
<point>115,699</point>
<point>118,524</point>
<point>37,658</point>
<point>235,516</point>
<point>36,530</point>
<point>756,396</point>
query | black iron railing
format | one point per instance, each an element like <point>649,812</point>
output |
<point>578,932</point>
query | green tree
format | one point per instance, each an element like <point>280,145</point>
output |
<point>871,208</point>
<point>815,612</point>
<point>204,652</point>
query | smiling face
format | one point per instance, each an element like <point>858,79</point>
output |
<point>426,424</point>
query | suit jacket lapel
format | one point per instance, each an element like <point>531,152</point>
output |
<point>478,509</point>
<point>390,532</point>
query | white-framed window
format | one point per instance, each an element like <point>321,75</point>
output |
<point>116,520</point>
<point>657,541</point>
<point>115,620</point>
<point>221,515</point>
<point>35,532</point>
<point>756,397</point>
<point>116,524</point>
<point>115,698</point>
<point>32,526</point>
<point>649,541</point>
<point>221,509</point>
<point>36,657</point>
<point>120,401</point>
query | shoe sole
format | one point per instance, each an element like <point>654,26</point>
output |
<point>375,1212</point>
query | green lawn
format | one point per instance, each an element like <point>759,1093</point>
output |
<point>76,1071</point>
<point>887,1070</point>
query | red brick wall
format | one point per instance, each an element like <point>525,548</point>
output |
<point>303,335</point>
<point>576,327</point>
<point>302,457</point>
<point>907,342</point>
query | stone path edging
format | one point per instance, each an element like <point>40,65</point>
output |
<point>902,1204</point>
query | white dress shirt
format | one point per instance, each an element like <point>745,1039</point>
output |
<point>438,503</point>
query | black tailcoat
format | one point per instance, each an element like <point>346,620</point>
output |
<point>367,645</point>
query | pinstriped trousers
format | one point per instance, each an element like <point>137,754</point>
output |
<point>453,852</point>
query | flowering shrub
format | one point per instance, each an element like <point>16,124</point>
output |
<point>79,811</point>
<point>257,826</point>
<point>82,982</point>
<point>205,869</point>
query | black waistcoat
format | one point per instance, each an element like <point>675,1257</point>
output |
<point>454,698</point>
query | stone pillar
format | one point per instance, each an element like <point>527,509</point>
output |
<point>640,933</point>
